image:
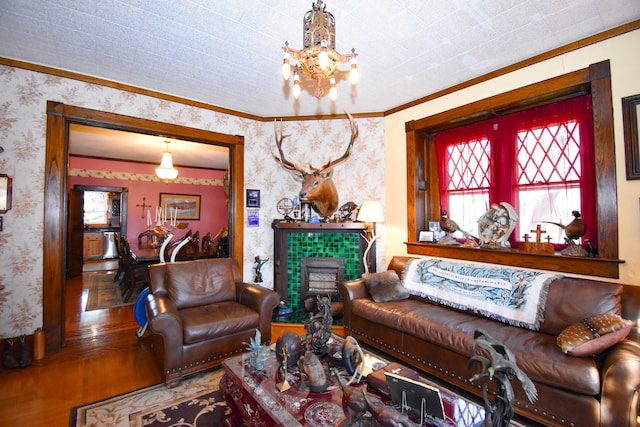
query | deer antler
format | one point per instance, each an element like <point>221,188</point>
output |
<point>286,164</point>
<point>347,152</point>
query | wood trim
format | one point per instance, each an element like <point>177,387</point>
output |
<point>597,80</point>
<point>59,116</point>
<point>604,151</point>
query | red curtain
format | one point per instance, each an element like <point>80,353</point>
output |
<point>502,132</point>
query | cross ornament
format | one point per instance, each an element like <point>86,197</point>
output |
<point>143,206</point>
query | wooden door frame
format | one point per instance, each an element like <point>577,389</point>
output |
<point>59,117</point>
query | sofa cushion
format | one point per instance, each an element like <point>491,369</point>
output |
<point>201,282</point>
<point>570,300</point>
<point>594,334</point>
<point>385,286</point>
<point>217,320</point>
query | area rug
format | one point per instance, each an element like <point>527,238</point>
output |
<point>197,401</point>
<point>103,292</point>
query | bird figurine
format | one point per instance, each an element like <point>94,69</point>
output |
<point>386,415</point>
<point>449,226</point>
<point>575,229</point>
<point>354,399</point>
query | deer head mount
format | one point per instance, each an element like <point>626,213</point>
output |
<point>318,187</point>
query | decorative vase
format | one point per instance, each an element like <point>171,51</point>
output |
<point>293,346</point>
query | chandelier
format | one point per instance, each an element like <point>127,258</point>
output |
<point>318,59</point>
<point>166,171</point>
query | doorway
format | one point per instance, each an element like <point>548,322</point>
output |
<point>59,118</point>
<point>96,215</point>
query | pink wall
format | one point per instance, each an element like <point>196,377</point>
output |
<point>214,213</point>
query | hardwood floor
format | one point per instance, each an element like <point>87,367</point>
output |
<point>102,358</point>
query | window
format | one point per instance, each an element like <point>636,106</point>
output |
<point>423,186</point>
<point>95,207</point>
<point>540,161</point>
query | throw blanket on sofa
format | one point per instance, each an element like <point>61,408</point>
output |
<point>513,296</point>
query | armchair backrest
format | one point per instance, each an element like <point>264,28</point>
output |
<point>195,283</point>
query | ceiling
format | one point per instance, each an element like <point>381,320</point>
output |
<point>228,53</point>
<point>88,141</point>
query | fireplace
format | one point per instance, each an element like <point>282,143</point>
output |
<point>320,277</point>
<point>320,241</point>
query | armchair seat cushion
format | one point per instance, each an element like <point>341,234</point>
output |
<point>217,320</point>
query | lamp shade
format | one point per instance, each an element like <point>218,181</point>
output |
<point>370,211</point>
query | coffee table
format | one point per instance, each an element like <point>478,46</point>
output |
<point>253,397</point>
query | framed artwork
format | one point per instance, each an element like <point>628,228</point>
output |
<point>5,193</point>
<point>630,110</point>
<point>426,236</point>
<point>253,198</point>
<point>253,218</point>
<point>183,206</point>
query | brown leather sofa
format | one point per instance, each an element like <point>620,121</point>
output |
<point>200,313</point>
<point>572,391</point>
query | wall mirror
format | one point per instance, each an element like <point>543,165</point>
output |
<point>5,193</point>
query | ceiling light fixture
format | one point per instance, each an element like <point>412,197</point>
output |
<point>318,59</point>
<point>166,171</point>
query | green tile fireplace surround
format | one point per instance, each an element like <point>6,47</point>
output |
<point>295,241</point>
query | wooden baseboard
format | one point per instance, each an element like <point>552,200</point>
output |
<point>278,329</point>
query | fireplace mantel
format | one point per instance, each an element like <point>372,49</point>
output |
<point>284,232</point>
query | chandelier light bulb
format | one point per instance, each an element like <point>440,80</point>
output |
<point>333,92</point>
<point>354,74</point>
<point>286,67</point>
<point>323,56</point>
<point>296,86</point>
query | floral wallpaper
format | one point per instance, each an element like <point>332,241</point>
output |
<point>23,97</point>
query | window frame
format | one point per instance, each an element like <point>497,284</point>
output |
<point>422,182</point>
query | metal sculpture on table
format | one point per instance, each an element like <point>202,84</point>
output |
<point>319,327</point>
<point>500,366</point>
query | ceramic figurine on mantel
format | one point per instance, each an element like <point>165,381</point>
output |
<point>573,231</point>
<point>496,225</point>
<point>450,227</point>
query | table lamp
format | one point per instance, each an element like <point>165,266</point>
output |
<point>370,212</point>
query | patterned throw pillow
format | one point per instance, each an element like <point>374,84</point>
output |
<point>385,286</point>
<point>594,334</point>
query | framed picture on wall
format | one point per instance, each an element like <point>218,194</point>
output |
<point>183,206</point>
<point>253,198</point>
<point>630,112</point>
<point>5,193</point>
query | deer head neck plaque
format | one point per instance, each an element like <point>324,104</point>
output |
<point>318,187</point>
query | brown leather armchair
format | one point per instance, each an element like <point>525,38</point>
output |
<point>200,313</point>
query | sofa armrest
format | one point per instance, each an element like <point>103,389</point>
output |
<point>621,382</point>
<point>261,300</point>
<point>353,289</point>
<point>164,320</point>
<point>349,291</point>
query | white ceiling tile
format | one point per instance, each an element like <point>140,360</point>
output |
<point>229,53</point>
